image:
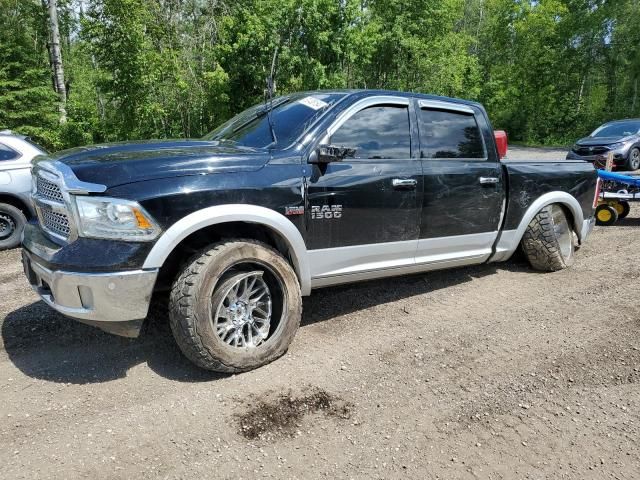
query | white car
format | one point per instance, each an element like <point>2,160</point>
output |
<point>16,153</point>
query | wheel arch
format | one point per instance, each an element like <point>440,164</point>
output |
<point>17,202</point>
<point>510,239</point>
<point>238,219</point>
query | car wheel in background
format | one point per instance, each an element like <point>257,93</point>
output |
<point>548,240</point>
<point>633,162</point>
<point>12,222</point>
<point>606,215</point>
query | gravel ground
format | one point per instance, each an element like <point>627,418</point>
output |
<point>536,153</point>
<point>493,371</point>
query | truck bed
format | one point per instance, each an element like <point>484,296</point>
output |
<point>529,179</point>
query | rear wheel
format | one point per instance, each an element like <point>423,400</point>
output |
<point>235,307</point>
<point>633,162</point>
<point>548,240</point>
<point>12,222</point>
<point>606,215</point>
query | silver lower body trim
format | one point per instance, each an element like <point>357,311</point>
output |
<point>587,228</point>
<point>397,271</point>
<point>333,266</point>
<point>95,297</point>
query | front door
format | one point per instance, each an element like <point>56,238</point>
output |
<point>363,212</point>
<point>463,185</point>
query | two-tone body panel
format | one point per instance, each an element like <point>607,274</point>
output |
<point>424,190</point>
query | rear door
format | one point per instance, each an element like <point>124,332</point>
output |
<point>463,184</point>
<point>364,212</point>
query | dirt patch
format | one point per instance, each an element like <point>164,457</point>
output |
<point>281,417</point>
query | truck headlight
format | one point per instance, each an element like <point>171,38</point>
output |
<point>113,218</point>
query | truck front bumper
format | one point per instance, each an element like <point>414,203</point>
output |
<point>116,302</point>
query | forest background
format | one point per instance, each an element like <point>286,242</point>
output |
<point>76,72</point>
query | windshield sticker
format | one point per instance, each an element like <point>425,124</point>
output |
<point>313,102</point>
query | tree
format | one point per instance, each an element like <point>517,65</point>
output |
<point>27,102</point>
<point>547,71</point>
<point>56,59</point>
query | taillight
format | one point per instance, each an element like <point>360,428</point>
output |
<point>596,198</point>
<point>501,142</point>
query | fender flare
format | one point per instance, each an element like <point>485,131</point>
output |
<point>510,239</point>
<point>206,217</point>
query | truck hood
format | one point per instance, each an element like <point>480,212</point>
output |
<point>592,141</point>
<point>115,164</point>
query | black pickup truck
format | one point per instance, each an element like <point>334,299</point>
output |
<point>309,190</point>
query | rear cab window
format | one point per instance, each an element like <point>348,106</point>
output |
<point>449,134</point>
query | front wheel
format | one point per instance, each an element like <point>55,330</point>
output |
<point>235,306</point>
<point>12,222</point>
<point>548,240</point>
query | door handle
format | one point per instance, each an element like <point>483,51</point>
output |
<point>489,180</point>
<point>404,183</point>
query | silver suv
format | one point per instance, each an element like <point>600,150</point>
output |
<point>16,153</point>
<point>622,137</point>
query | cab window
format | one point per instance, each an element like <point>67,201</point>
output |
<point>7,153</point>
<point>447,134</point>
<point>378,132</point>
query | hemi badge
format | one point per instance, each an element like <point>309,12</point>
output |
<point>294,210</point>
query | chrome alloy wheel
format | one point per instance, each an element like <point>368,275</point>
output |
<point>243,317</point>
<point>634,159</point>
<point>562,231</point>
<point>7,226</point>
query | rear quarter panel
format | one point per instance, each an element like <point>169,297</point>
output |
<point>528,180</point>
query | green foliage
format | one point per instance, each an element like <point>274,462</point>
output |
<point>548,71</point>
<point>27,100</point>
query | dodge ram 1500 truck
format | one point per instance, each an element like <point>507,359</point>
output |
<point>309,190</point>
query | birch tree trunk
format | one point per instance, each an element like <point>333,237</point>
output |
<point>56,60</point>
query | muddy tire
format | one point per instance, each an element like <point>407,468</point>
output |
<point>548,240</point>
<point>12,222</point>
<point>235,306</point>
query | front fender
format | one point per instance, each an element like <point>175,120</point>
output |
<point>206,217</point>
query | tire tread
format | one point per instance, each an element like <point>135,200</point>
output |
<point>182,307</point>
<point>540,244</point>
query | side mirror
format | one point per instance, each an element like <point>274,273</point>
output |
<point>331,153</point>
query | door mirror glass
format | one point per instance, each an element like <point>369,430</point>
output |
<point>331,153</point>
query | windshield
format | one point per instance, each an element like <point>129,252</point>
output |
<point>617,129</point>
<point>291,116</point>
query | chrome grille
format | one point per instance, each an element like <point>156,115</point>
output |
<point>55,222</point>
<point>48,190</point>
<point>586,151</point>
